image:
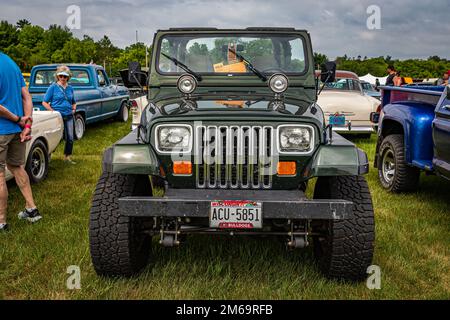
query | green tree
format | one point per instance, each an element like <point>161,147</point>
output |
<point>30,36</point>
<point>135,52</point>
<point>22,23</point>
<point>319,59</point>
<point>55,38</point>
<point>76,51</point>
<point>8,35</point>
<point>106,51</point>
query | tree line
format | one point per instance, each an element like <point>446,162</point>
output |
<point>30,45</point>
<point>433,67</point>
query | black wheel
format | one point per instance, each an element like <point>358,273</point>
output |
<point>79,126</point>
<point>119,245</point>
<point>344,249</point>
<point>124,113</point>
<point>37,162</point>
<point>393,172</point>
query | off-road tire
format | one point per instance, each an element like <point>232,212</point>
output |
<point>345,249</point>
<point>406,178</point>
<point>118,245</point>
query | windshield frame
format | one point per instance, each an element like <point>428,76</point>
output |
<point>233,34</point>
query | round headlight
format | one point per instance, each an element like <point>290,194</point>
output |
<point>187,84</point>
<point>278,83</point>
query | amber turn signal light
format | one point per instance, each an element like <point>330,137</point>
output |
<point>286,168</point>
<point>182,167</point>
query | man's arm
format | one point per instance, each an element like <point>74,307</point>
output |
<point>27,111</point>
<point>5,113</point>
<point>27,103</point>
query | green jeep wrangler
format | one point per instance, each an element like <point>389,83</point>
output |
<point>226,146</point>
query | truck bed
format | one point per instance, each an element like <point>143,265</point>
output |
<point>427,95</point>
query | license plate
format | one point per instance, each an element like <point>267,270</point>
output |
<point>336,120</point>
<point>235,214</point>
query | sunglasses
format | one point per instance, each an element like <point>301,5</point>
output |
<point>64,77</point>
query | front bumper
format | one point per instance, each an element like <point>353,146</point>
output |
<point>354,129</point>
<point>195,203</point>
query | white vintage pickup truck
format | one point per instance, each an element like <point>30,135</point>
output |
<point>47,131</point>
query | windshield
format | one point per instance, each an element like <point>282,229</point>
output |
<point>217,53</point>
<point>367,86</point>
<point>344,85</point>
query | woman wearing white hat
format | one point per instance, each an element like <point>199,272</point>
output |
<point>60,97</point>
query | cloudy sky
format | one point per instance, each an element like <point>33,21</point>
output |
<point>408,28</point>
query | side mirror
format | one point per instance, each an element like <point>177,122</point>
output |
<point>135,74</point>
<point>134,67</point>
<point>328,72</point>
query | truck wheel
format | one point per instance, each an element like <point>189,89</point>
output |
<point>394,173</point>
<point>123,114</point>
<point>118,244</point>
<point>37,162</point>
<point>79,126</point>
<point>344,249</point>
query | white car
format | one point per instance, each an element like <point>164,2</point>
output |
<point>46,132</point>
<point>138,105</point>
<point>345,103</point>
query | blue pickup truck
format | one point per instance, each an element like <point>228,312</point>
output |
<point>97,98</point>
<point>413,135</point>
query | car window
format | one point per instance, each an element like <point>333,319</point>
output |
<point>366,86</point>
<point>101,78</point>
<point>354,85</point>
<point>47,77</point>
<point>343,85</point>
<point>79,77</point>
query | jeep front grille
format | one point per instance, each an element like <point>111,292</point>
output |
<point>234,156</point>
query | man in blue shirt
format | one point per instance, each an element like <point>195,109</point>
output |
<point>15,129</point>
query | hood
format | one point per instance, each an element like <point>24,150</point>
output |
<point>42,116</point>
<point>217,107</point>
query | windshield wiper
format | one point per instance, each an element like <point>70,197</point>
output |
<point>249,65</point>
<point>183,66</point>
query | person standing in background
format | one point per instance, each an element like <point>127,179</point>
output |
<point>398,80</point>
<point>60,97</point>
<point>444,80</point>
<point>391,74</point>
<point>377,84</point>
<point>15,128</point>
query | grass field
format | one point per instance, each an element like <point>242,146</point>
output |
<point>412,246</point>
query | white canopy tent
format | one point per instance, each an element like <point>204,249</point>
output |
<point>371,79</point>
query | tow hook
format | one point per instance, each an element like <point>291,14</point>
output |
<point>297,243</point>
<point>297,240</point>
<point>170,238</point>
